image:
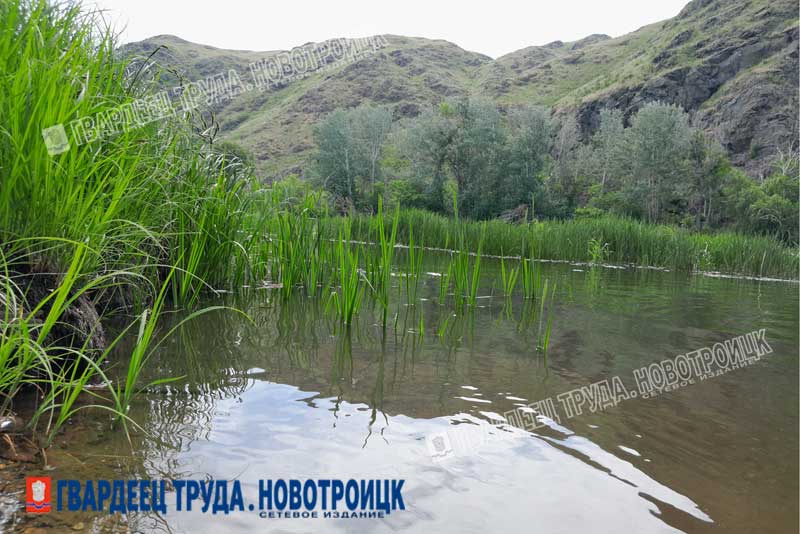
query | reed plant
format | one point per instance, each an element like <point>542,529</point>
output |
<point>508,277</point>
<point>543,337</point>
<point>465,273</point>
<point>629,241</point>
<point>346,300</point>
<point>413,268</point>
<point>153,206</point>
<point>386,244</point>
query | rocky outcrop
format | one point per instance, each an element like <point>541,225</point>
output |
<point>755,117</point>
<point>742,90</point>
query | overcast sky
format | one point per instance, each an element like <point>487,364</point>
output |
<point>492,27</point>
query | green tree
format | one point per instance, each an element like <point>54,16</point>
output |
<point>427,145</point>
<point>566,180</point>
<point>708,168</point>
<point>338,161</point>
<point>477,157</point>
<point>608,145</point>
<point>531,138</point>
<point>370,127</point>
<point>657,143</point>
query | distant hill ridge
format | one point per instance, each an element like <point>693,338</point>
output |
<point>732,64</point>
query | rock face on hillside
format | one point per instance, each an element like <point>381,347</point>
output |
<point>742,87</point>
<point>732,64</point>
<point>757,115</point>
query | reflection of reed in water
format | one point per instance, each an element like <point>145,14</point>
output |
<point>295,323</point>
<point>341,368</point>
<point>376,398</point>
<point>207,353</point>
<point>456,327</point>
<point>174,419</point>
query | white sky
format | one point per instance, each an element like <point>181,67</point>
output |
<point>493,27</point>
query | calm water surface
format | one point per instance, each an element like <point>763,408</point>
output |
<point>292,395</point>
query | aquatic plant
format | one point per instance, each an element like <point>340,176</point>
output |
<point>152,206</point>
<point>297,255</point>
<point>508,277</point>
<point>382,282</point>
<point>629,241</point>
<point>413,268</point>
<point>346,301</point>
<point>543,341</point>
<point>598,250</point>
<point>531,276</point>
<point>465,273</point>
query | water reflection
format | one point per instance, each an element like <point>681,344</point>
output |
<point>293,394</point>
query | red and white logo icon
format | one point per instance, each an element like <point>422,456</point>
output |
<point>37,494</point>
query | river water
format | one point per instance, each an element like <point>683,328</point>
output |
<point>293,395</point>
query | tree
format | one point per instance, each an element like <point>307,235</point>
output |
<point>531,138</point>
<point>608,145</point>
<point>427,145</point>
<point>349,150</point>
<point>566,172</point>
<point>466,141</point>
<point>770,208</point>
<point>708,169</point>
<point>657,142</point>
<point>371,126</point>
<point>337,159</point>
<point>477,156</point>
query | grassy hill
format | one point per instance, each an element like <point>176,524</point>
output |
<point>732,64</point>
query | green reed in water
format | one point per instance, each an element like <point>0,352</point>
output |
<point>629,241</point>
<point>297,254</point>
<point>347,300</point>
<point>598,250</point>
<point>100,214</point>
<point>444,277</point>
<point>530,272</point>
<point>508,277</point>
<point>381,283</point>
<point>544,341</point>
<point>413,268</point>
<point>466,274</point>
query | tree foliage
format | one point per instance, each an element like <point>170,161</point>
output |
<point>651,165</point>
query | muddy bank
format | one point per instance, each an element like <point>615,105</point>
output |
<point>80,328</point>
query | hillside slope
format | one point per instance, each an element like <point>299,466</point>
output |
<point>732,64</point>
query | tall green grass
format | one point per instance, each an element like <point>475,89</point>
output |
<point>157,194</point>
<point>151,211</point>
<point>413,268</point>
<point>382,281</point>
<point>531,275</point>
<point>624,241</point>
<point>466,274</point>
<point>508,277</point>
<point>346,300</point>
